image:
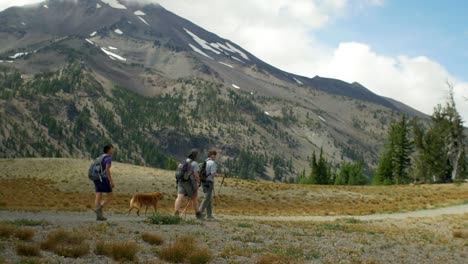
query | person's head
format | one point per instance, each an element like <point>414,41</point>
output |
<point>108,149</point>
<point>212,154</point>
<point>193,154</point>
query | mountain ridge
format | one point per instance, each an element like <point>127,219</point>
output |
<point>267,121</point>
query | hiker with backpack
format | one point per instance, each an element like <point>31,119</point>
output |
<point>100,174</point>
<point>188,182</point>
<point>207,176</point>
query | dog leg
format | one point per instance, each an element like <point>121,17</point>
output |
<point>146,209</point>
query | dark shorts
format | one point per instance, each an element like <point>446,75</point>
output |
<point>104,186</point>
<point>186,188</point>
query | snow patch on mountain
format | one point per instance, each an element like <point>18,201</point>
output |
<point>93,34</point>
<point>203,43</point>
<point>266,113</point>
<point>235,86</point>
<point>22,23</point>
<point>98,5</point>
<point>216,46</point>
<point>139,13</point>
<point>225,64</point>
<point>113,55</point>
<point>144,21</point>
<point>299,82</point>
<point>234,49</point>
<point>17,55</point>
<point>118,31</point>
<point>323,119</point>
<point>197,50</point>
<point>90,42</point>
<point>112,48</point>
<point>229,47</point>
<point>237,59</point>
<point>114,4</point>
<point>46,6</point>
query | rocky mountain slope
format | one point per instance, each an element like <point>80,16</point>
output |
<point>78,74</point>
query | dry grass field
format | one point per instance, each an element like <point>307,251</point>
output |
<point>71,235</point>
<point>62,184</point>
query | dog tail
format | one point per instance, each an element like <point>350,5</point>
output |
<point>131,201</point>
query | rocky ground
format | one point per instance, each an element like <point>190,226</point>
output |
<point>405,238</point>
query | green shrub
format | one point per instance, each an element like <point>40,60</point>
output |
<point>29,222</point>
<point>161,219</point>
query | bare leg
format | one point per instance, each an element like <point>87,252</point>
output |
<point>179,201</point>
<point>109,198</point>
<point>195,203</point>
<point>98,199</point>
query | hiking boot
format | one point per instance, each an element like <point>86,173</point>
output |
<point>99,214</point>
<point>199,215</point>
<point>102,218</point>
<point>210,217</point>
<point>177,213</point>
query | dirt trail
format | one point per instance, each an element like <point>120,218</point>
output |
<point>77,218</point>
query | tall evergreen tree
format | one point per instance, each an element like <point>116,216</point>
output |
<point>456,140</point>
<point>401,150</point>
<point>395,160</point>
<point>441,150</point>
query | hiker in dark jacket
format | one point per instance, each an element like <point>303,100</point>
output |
<point>208,185</point>
<point>189,188</point>
<point>104,185</point>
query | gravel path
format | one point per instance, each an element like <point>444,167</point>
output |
<point>76,218</point>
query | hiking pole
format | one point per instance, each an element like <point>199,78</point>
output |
<point>184,212</point>
<point>216,196</point>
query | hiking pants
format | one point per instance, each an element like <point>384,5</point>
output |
<point>208,187</point>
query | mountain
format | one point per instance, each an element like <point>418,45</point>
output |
<point>76,74</point>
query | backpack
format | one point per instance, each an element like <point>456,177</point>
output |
<point>183,171</point>
<point>203,175</point>
<point>95,171</point>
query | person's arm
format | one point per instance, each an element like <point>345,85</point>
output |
<point>213,170</point>
<point>108,174</point>
<point>197,177</point>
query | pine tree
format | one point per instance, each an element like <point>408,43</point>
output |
<point>322,170</point>
<point>402,148</point>
<point>343,176</point>
<point>384,174</point>
<point>395,160</point>
<point>441,150</point>
<point>456,139</point>
<point>313,178</point>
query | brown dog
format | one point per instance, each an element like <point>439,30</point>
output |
<point>144,199</point>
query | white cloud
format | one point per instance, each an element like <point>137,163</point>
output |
<point>417,81</point>
<point>7,3</point>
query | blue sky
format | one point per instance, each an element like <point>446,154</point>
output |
<point>436,29</point>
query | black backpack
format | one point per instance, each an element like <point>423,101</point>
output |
<point>203,174</point>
